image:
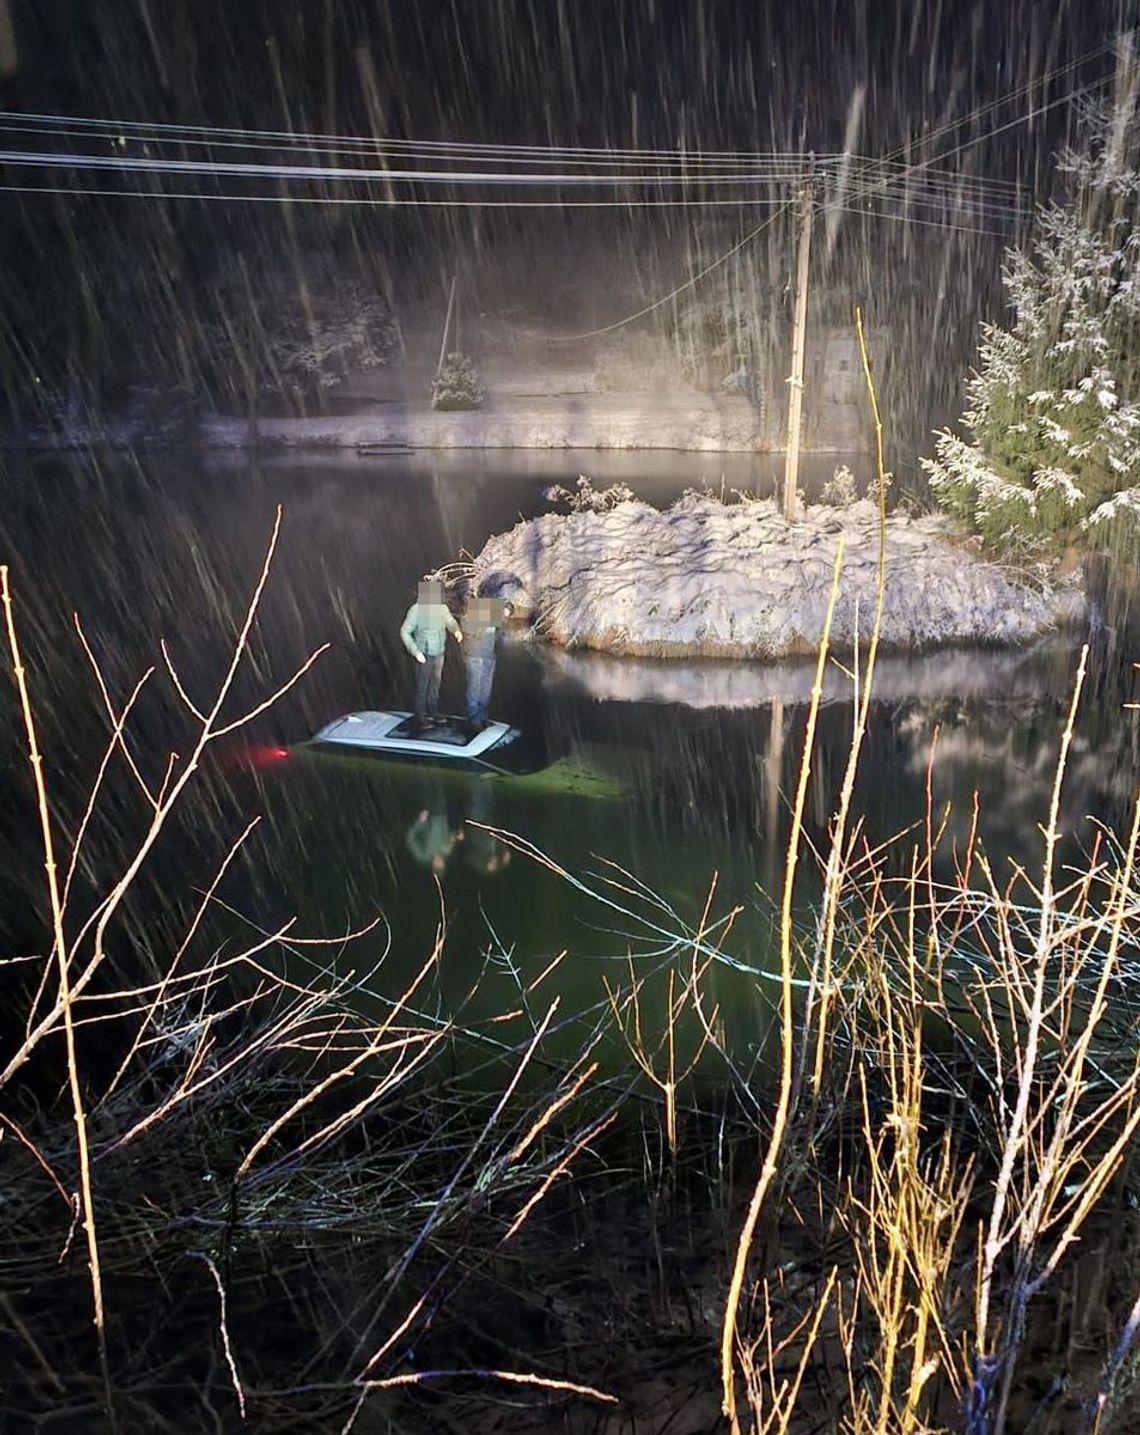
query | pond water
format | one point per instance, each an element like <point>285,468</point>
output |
<point>161,546</point>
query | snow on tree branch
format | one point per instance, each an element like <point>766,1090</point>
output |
<point>1053,416</point>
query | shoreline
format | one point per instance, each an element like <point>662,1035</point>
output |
<point>682,422</point>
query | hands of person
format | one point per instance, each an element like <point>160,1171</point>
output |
<point>459,637</point>
<point>420,658</point>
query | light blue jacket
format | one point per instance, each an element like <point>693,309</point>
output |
<point>425,629</point>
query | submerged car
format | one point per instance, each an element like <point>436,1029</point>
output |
<point>497,753</point>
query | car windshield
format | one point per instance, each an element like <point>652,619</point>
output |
<point>451,733</point>
<point>516,753</point>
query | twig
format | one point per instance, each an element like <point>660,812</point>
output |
<point>223,1325</point>
<point>65,995</point>
<point>116,719</point>
<point>33,1345</point>
<point>34,1149</point>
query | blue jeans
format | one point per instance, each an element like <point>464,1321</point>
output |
<point>428,674</point>
<point>480,676</point>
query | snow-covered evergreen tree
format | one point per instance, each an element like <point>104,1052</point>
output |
<point>345,329</point>
<point>1053,457</point>
<point>457,384</point>
<point>299,335</point>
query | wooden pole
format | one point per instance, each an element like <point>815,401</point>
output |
<point>796,381</point>
<point>446,327</point>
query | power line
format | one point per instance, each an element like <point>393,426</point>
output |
<point>680,155</point>
<point>457,154</point>
<point>977,113</point>
<point>373,202</point>
<point>241,170</point>
<point>668,298</point>
<point>944,191</point>
<point>926,223</point>
<point>1066,98</point>
<point>942,198</point>
<point>761,165</point>
<point>772,168</point>
<point>156,128</point>
<point>34,122</point>
<point>873,177</point>
<point>769,163</point>
<point>935,177</point>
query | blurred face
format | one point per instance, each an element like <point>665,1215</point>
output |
<point>431,592</point>
<point>490,610</point>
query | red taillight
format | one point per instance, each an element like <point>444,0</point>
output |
<point>258,756</point>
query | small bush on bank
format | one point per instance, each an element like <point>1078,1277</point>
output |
<point>585,498</point>
<point>839,491</point>
<point>457,385</point>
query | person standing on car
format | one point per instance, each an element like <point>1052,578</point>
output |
<point>482,624</point>
<point>424,633</point>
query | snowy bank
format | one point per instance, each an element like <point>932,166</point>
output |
<point>694,421</point>
<point>709,579</point>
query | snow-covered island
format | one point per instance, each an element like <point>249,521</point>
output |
<point>713,579</point>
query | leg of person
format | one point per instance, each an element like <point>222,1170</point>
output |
<point>435,673</point>
<point>486,680</point>
<point>478,690</point>
<point>423,675</point>
<point>470,702</point>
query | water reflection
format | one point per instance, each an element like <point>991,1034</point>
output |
<point>484,853</point>
<point>431,839</point>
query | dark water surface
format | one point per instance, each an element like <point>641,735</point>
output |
<point>166,547</point>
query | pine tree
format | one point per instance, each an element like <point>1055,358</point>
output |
<point>297,336</point>
<point>457,384</point>
<point>1053,457</point>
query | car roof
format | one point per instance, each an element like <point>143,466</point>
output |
<point>396,732</point>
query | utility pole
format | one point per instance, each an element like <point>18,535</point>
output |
<point>446,326</point>
<point>796,381</point>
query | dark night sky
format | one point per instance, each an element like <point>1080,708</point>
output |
<point>740,73</point>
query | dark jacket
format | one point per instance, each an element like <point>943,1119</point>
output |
<point>481,636</point>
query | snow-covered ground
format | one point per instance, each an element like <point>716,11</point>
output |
<point>692,420</point>
<point>708,579</point>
